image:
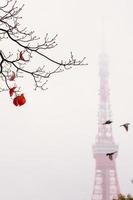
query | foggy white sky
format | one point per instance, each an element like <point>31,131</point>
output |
<point>46,145</point>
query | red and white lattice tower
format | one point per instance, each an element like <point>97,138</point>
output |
<point>106,186</point>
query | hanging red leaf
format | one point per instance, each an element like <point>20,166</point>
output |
<point>15,101</point>
<point>19,100</point>
<point>21,57</point>
<point>12,76</point>
<point>11,91</point>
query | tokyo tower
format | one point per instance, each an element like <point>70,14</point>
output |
<point>106,186</point>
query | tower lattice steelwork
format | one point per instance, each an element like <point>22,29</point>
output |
<point>106,186</point>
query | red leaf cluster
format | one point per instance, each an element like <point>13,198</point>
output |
<point>19,100</point>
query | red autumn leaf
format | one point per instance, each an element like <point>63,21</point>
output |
<point>11,91</point>
<point>21,100</point>
<point>12,76</point>
<point>15,101</point>
<point>21,57</point>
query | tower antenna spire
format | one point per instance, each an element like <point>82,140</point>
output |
<point>103,35</point>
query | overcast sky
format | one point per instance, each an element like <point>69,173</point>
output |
<point>46,145</point>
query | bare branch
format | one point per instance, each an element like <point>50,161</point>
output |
<point>13,66</point>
